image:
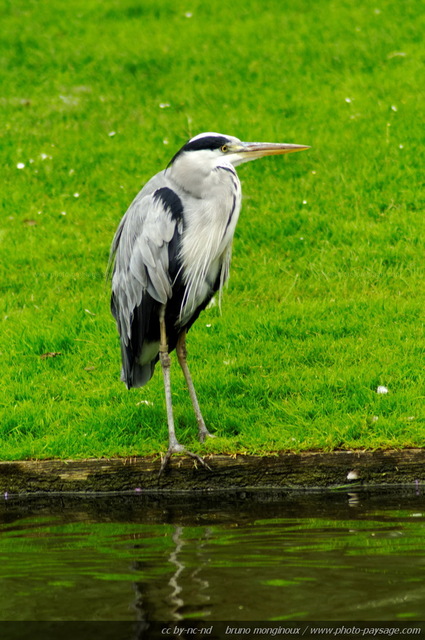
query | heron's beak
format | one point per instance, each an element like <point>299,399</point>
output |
<point>253,150</point>
<point>246,151</point>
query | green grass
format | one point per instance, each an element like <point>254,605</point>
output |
<point>326,297</point>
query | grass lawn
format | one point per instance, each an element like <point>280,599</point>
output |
<point>326,296</point>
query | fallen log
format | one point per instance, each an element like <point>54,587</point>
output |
<point>289,471</point>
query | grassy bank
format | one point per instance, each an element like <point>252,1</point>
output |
<point>326,297</point>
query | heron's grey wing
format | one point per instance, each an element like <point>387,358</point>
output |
<point>142,279</point>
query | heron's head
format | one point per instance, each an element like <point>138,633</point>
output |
<point>208,150</point>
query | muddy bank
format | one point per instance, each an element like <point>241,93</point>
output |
<point>289,471</point>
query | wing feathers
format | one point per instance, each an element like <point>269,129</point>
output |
<point>145,239</point>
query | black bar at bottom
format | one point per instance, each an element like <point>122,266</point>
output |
<point>198,630</point>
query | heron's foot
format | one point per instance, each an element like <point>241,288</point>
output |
<point>179,448</point>
<point>204,434</point>
<point>202,429</point>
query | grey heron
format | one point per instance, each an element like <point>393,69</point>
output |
<point>171,254</point>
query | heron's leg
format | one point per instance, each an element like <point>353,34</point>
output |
<point>173,445</point>
<point>164,357</point>
<point>181,355</point>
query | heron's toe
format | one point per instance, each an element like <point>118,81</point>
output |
<point>179,448</point>
<point>204,434</point>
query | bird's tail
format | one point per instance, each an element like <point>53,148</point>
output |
<point>136,375</point>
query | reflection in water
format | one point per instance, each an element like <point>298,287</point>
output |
<point>235,557</point>
<point>176,602</point>
<point>194,583</point>
<point>185,590</point>
<point>193,580</point>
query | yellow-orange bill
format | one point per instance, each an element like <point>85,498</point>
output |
<point>260,149</point>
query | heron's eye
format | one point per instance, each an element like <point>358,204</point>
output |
<point>224,148</point>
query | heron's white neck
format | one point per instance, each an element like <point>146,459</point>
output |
<point>211,192</point>
<point>195,172</point>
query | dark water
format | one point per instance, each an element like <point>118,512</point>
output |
<point>235,557</point>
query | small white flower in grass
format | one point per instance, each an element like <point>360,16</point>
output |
<point>111,134</point>
<point>146,402</point>
<point>63,213</point>
<point>164,105</point>
<point>208,325</point>
<point>165,141</point>
<point>71,101</point>
<point>393,108</point>
<point>381,389</point>
<point>188,14</point>
<point>348,100</point>
<point>304,201</point>
<point>20,165</point>
<point>45,156</point>
<point>395,54</point>
<point>400,146</point>
<point>76,195</point>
